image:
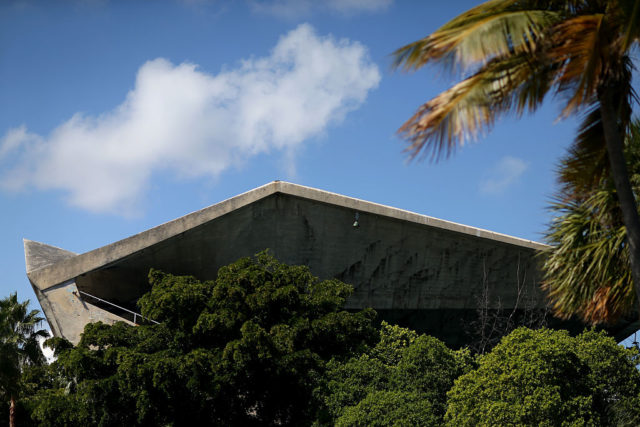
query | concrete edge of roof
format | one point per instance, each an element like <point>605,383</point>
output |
<point>403,215</point>
<point>38,255</point>
<point>58,272</point>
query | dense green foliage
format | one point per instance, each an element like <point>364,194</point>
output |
<point>19,348</point>
<point>269,344</point>
<point>549,378</point>
<point>246,349</point>
<point>402,380</point>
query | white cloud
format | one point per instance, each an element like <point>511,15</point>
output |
<point>299,8</point>
<point>504,174</point>
<point>184,120</point>
<point>14,138</point>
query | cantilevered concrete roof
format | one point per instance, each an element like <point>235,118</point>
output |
<point>414,269</point>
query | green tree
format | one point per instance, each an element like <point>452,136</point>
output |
<point>391,408</point>
<point>548,378</point>
<point>402,380</point>
<point>514,53</point>
<point>19,347</point>
<point>245,349</point>
<point>587,268</point>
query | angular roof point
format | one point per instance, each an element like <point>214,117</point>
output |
<point>38,255</point>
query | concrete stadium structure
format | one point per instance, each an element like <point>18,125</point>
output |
<point>415,270</point>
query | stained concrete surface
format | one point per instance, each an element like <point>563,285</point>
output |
<point>419,271</point>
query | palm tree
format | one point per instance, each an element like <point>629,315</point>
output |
<point>587,268</point>
<point>515,52</point>
<point>19,346</point>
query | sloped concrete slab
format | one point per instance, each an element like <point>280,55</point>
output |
<point>420,271</point>
<point>38,255</point>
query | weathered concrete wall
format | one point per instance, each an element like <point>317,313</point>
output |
<point>420,271</point>
<point>392,264</point>
<point>68,312</point>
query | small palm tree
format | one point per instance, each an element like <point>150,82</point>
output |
<point>514,53</point>
<point>587,268</point>
<point>19,346</point>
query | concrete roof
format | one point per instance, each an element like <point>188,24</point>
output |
<point>48,266</point>
<point>415,270</point>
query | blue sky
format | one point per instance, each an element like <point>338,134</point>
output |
<point>116,116</point>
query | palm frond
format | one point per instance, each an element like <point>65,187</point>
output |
<point>578,45</point>
<point>491,30</point>
<point>587,269</point>
<point>471,107</point>
<point>449,119</point>
<point>517,51</point>
<point>19,345</point>
<point>629,21</point>
<point>586,162</point>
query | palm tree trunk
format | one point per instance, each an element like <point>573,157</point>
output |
<point>12,412</point>
<point>615,149</point>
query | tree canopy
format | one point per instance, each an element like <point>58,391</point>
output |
<point>245,349</point>
<point>19,348</point>
<point>402,380</point>
<point>270,344</point>
<point>549,378</point>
